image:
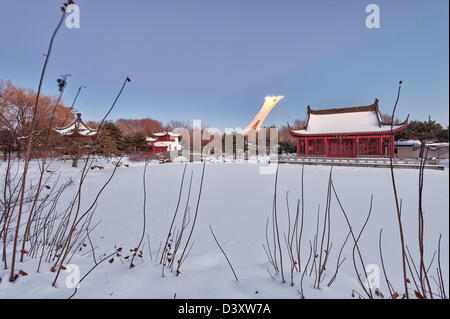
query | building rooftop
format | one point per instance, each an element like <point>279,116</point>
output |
<point>357,119</point>
<point>76,128</point>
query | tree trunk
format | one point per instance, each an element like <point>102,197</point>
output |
<point>75,159</point>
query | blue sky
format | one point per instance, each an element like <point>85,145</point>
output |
<point>216,60</point>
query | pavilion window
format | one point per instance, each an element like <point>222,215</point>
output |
<point>316,147</point>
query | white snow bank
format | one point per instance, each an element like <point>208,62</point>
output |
<point>236,202</point>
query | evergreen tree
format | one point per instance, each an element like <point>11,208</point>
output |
<point>109,141</point>
<point>136,142</point>
<point>286,148</point>
<point>442,135</point>
<point>418,130</point>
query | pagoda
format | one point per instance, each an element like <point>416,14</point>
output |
<point>76,131</point>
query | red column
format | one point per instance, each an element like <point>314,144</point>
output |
<point>302,147</point>
<point>380,142</point>
<point>357,145</point>
<point>298,146</point>
<point>326,147</point>
<point>306,147</point>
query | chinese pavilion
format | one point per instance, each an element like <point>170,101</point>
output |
<point>76,131</point>
<point>163,142</point>
<point>346,132</point>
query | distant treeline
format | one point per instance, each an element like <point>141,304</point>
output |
<point>128,135</point>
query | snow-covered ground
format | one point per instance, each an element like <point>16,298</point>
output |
<point>236,202</point>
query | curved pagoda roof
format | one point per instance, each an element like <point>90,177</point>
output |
<point>166,133</point>
<point>76,128</point>
<point>347,120</point>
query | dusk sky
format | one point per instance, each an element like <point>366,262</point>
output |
<point>216,60</point>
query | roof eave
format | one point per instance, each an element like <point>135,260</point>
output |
<point>387,132</point>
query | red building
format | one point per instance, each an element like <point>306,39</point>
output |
<point>346,132</point>
<point>163,142</point>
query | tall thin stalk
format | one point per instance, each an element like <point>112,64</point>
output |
<point>144,220</point>
<point>299,239</point>
<point>275,219</point>
<point>165,251</point>
<point>388,283</point>
<point>41,175</point>
<point>180,261</point>
<point>12,276</point>
<point>67,243</point>
<point>397,205</point>
<point>223,252</point>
